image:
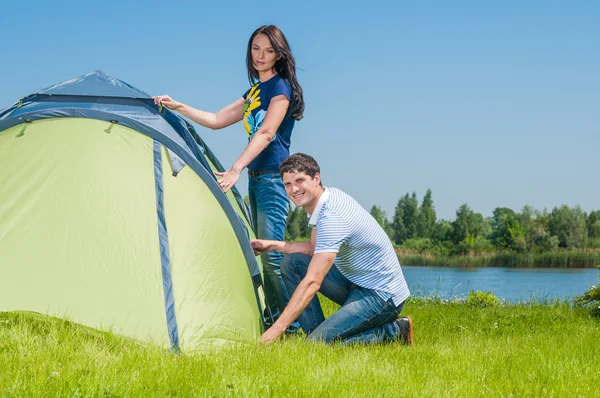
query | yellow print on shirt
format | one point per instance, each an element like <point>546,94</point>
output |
<point>252,102</point>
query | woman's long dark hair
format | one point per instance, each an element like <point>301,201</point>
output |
<point>285,66</point>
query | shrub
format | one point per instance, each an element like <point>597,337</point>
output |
<point>475,245</point>
<point>482,299</point>
<point>590,300</point>
<point>420,245</point>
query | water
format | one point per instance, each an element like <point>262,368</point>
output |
<point>511,284</point>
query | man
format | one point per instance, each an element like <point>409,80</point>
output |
<point>366,281</point>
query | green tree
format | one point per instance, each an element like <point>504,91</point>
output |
<point>421,245</point>
<point>593,224</point>
<point>593,228</point>
<point>507,231</point>
<point>569,226</point>
<point>474,245</point>
<point>502,219</point>
<point>468,224</point>
<point>297,225</point>
<point>442,231</point>
<point>381,217</point>
<point>427,217</point>
<point>528,213</point>
<point>518,241</point>
<point>400,231</point>
<point>292,229</point>
<point>442,238</point>
<point>538,235</point>
<point>411,215</point>
<point>526,218</point>
<point>406,218</point>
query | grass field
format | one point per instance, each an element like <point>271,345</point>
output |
<point>461,350</point>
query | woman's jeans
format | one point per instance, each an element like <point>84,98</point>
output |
<point>363,318</point>
<point>269,205</point>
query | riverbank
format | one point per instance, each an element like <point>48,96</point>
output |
<point>461,350</point>
<point>559,259</point>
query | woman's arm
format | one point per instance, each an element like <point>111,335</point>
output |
<point>262,138</point>
<point>227,116</point>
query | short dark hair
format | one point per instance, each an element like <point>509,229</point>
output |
<point>300,163</point>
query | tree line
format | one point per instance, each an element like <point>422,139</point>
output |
<point>415,226</point>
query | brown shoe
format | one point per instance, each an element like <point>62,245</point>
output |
<point>406,330</point>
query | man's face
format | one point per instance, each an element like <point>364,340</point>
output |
<point>301,188</point>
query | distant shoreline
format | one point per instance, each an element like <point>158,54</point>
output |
<point>559,259</point>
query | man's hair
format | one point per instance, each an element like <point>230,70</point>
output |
<point>300,163</point>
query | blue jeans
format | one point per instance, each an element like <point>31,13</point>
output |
<point>363,318</point>
<point>269,206</point>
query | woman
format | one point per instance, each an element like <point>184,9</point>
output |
<point>269,110</point>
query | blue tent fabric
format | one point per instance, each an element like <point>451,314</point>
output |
<point>165,256</point>
<point>100,96</point>
<point>176,163</point>
<point>95,84</point>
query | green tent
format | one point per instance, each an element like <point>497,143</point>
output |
<point>111,217</point>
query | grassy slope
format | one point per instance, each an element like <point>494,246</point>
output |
<point>532,350</point>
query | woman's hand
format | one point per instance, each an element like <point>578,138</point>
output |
<point>167,101</point>
<point>228,178</point>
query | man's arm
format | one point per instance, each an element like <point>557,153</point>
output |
<point>318,268</point>
<point>262,246</point>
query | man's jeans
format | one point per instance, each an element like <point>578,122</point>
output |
<point>269,205</point>
<point>363,318</point>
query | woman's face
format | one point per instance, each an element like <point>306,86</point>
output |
<point>263,53</point>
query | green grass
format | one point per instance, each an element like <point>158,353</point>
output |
<point>560,259</point>
<point>461,350</point>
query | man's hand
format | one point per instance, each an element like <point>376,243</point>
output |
<point>259,246</point>
<point>271,335</point>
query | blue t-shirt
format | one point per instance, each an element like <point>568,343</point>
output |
<point>258,99</point>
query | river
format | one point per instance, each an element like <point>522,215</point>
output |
<point>510,284</point>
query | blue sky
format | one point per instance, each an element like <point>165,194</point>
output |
<point>486,103</point>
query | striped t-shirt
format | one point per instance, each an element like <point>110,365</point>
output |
<point>365,254</point>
